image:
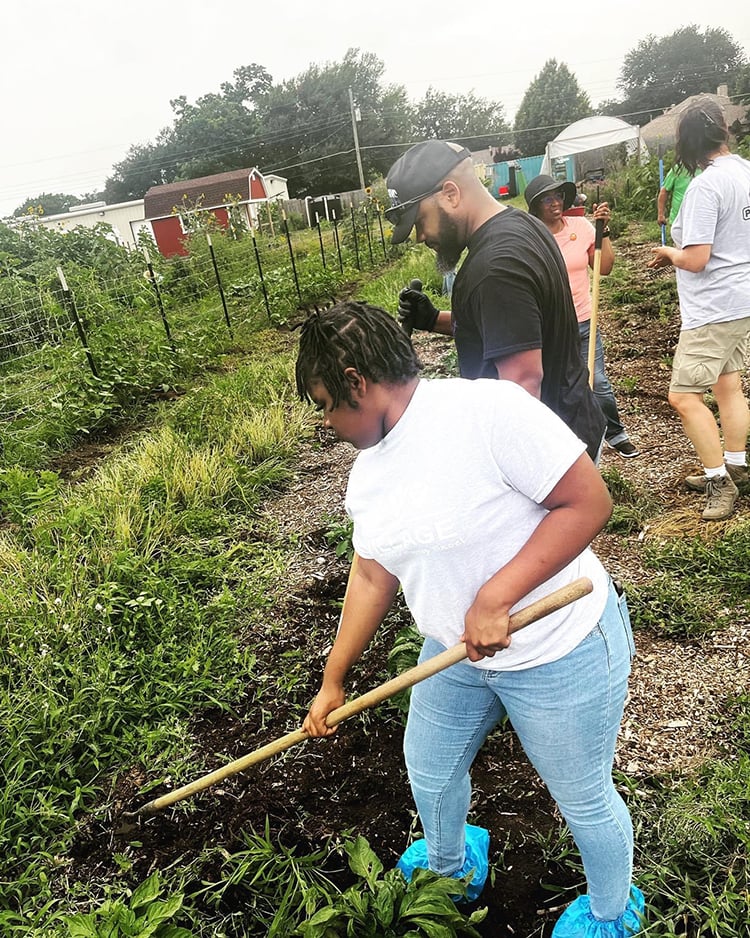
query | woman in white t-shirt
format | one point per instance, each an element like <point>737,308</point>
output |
<point>712,259</point>
<point>476,499</point>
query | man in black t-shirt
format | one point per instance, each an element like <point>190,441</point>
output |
<point>512,310</point>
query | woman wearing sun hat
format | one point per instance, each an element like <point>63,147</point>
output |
<point>549,199</point>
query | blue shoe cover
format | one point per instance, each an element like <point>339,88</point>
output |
<point>578,922</point>
<point>477,859</point>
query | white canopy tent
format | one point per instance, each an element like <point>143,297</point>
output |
<point>593,133</point>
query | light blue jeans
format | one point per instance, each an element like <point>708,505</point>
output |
<point>605,396</point>
<point>566,714</point>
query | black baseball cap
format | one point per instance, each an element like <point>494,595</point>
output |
<point>416,175</point>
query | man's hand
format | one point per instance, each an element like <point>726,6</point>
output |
<point>415,311</point>
<point>329,698</point>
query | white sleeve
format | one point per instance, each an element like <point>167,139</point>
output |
<point>699,213</point>
<point>532,446</point>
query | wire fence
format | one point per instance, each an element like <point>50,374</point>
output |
<point>73,331</point>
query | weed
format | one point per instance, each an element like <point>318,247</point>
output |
<point>279,886</point>
<point>383,903</point>
<point>23,493</point>
<point>694,583</point>
<point>339,537</point>
<point>692,839</point>
<point>146,915</point>
<point>631,506</point>
<point>404,655</point>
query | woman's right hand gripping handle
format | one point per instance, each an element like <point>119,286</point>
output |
<point>329,697</point>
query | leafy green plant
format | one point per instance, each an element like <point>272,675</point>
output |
<point>693,842</point>
<point>339,537</point>
<point>404,655</point>
<point>24,492</point>
<point>278,885</point>
<point>384,905</point>
<point>694,583</point>
<point>146,915</point>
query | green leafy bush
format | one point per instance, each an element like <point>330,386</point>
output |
<point>146,915</point>
<point>384,905</point>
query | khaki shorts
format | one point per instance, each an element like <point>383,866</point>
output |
<point>704,354</point>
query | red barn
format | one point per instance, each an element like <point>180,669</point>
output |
<point>167,208</point>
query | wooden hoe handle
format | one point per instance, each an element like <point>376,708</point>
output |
<point>531,613</point>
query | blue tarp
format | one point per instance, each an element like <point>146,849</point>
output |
<point>530,166</point>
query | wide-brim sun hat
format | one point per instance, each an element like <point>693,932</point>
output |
<point>542,184</point>
<point>415,176</point>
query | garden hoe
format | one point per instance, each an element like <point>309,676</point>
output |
<point>531,613</point>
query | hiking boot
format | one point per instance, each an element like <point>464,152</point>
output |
<point>625,448</point>
<point>721,494</point>
<point>736,473</point>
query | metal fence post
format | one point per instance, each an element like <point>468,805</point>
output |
<point>356,242</point>
<point>70,303</point>
<point>369,238</point>
<point>219,284</point>
<point>157,291</point>
<point>322,249</point>
<point>337,240</point>
<point>382,236</point>
<point>260,274</point>
<point>291,253</point>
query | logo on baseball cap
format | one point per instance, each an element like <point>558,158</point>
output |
<point>416,175</point>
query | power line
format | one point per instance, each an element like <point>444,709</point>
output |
<point>92,178</point>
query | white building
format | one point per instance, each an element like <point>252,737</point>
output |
<point>125,219</point>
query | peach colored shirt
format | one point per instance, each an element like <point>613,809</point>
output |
<point>576,242</point>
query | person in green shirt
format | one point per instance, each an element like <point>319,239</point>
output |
<point>675,184</point>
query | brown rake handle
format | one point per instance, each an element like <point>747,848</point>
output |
<point>531,613</point>
<point>595,284</point>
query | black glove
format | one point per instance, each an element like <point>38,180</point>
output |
<point>415,311</point>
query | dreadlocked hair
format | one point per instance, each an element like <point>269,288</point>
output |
<point>702,130</point>
<point>355,335</point>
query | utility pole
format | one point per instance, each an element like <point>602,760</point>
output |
<point>355,117</point>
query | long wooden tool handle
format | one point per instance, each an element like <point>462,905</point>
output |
<point>595,282</point>
<point>531,613</point>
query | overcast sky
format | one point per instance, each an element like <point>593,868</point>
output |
<point>83,80</point>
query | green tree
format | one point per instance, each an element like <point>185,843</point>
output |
<point>740,87</point>
<point>219,132</point>
<point>306,125</point>
<point>214,135</point>
<point>476,121</point>
<point>145,165</point>
<point>47,203</point>
<point>662,72</point>
<point>553,100</point>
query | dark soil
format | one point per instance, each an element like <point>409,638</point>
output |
<point>356,783</point>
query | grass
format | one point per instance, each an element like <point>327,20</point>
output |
<point>697,585</point>
<point>144,346</point>
<point>97,576</point>
<point>124,601</point>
